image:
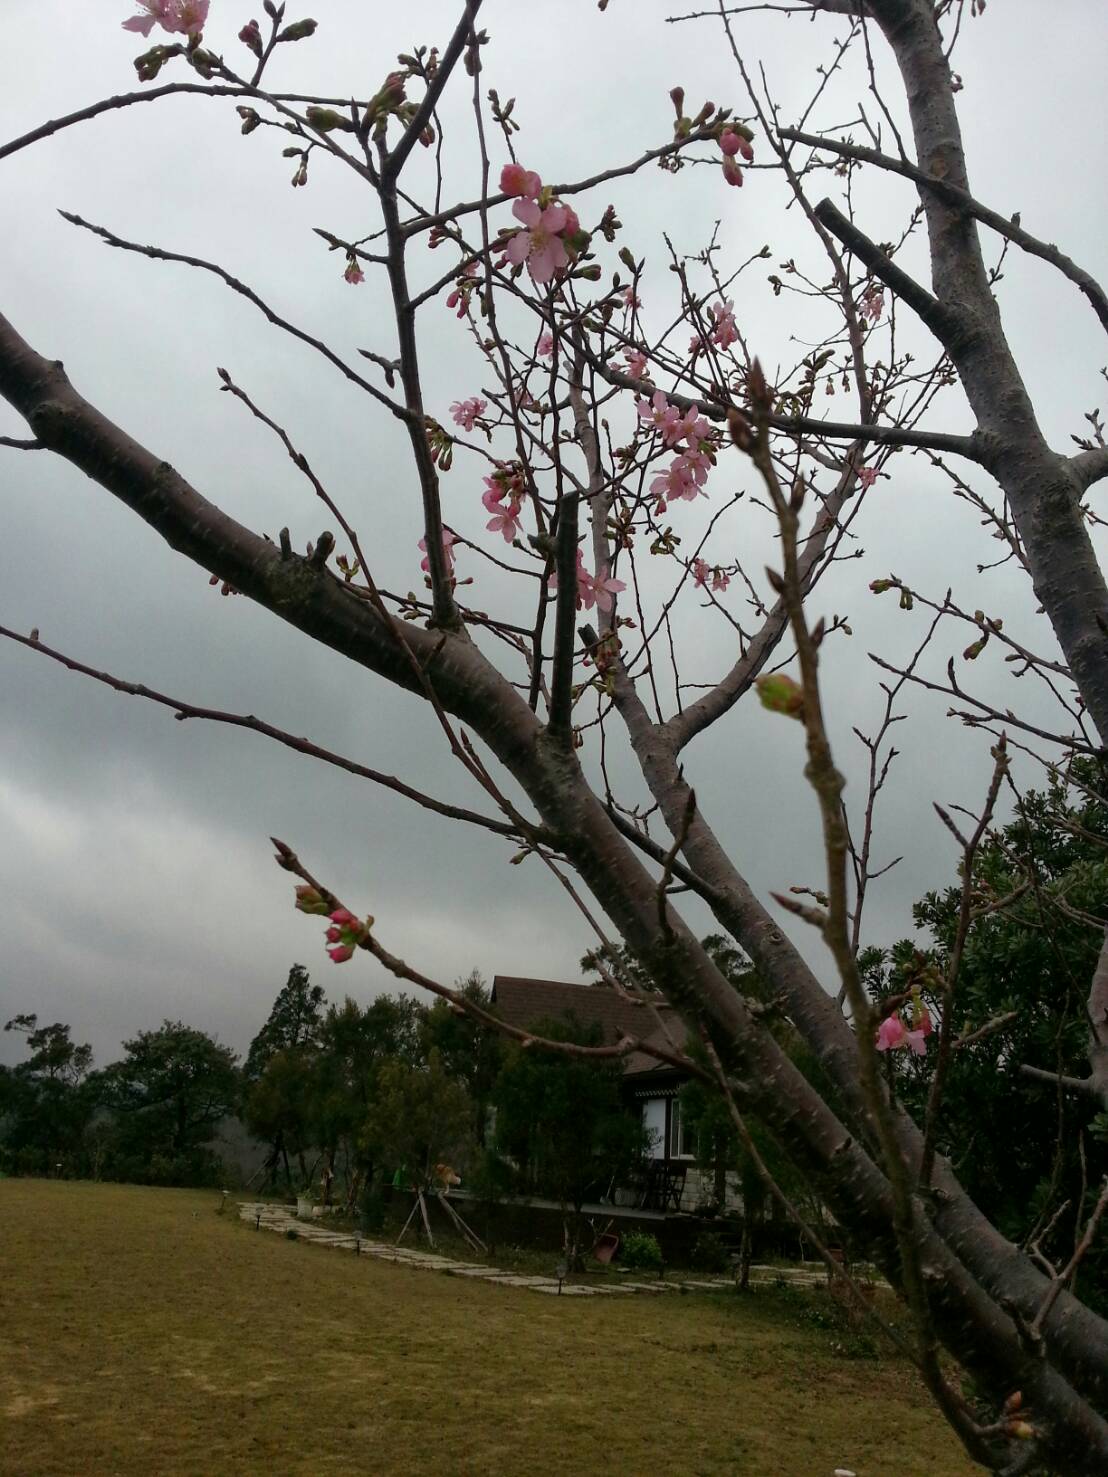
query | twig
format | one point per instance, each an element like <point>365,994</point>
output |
<point>183,710</point>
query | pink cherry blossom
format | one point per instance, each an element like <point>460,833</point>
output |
<point>700,572</point>
<point>664,417</point>
<point>505,483</point>
<point>515,180</point>
<point>916,1038</point>
<point>505,521</point>
<point>873,304</point>
<point>693,426</point>
<point>891,1034</point>
<point>466,412</point>
<point>683,479</point>
<point>545,346</point>
<point>448,541</point>
<point>636,363</point>
<point>630,300</point>
<point>699,464</point>
<point>598,589</point>
<point>185,17</point>
<point>670,422</point>
<point>720,579</point>
<point>353,273</point>
<point>724,331</point>
<point>867,476</point>
<point>539,244</point>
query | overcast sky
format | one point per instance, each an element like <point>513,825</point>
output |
<point>135,873</point>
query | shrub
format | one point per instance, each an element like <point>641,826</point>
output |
<point>640,1249</point>
<point>710,1254</point>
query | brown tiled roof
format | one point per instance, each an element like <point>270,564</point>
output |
<point>525,1002</point>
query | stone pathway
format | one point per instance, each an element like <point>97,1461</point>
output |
<point>269,1217</point>
<point>275,1218</point>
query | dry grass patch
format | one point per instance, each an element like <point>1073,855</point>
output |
<point>140,1333</point>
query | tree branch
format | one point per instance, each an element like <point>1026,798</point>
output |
<point>973,447</point>
<point>157,254</point>
<point>151,95</point>
<point>954,195</point>
<point>183,710</point>
<point>394,162</point>
<point>928,309</point>
<point>560,723</point>
<point>1089,466</point>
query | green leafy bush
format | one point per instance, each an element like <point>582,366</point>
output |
<point>641,1250</point>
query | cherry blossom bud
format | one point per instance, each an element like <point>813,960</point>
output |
<point>310,900</point>
<point>742,432</point>
<point>731,172</point>
<point>780,694</point>
<point>298,31</point>
<point>341,953</point>
<point>325,120</point>
<point>342,915</point>
<point>729,142</point>
<point>251,36</point>
<point>250,119</point>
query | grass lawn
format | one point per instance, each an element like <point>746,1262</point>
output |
<point>143,1335</point>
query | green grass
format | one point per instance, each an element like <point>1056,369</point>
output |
<point>140,1333</point>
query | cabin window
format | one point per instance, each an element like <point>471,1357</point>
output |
<point>682,1139</point>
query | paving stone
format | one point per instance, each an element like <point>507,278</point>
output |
<point>569,1292</point>
<point>510,1279</point>
<point>650,1286</point>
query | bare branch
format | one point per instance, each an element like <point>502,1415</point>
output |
<point>1089,466</point>
<point>183,710</point>
<point>1010,229</point>
<point>288,861</point>
<point>565,636</point>
<point>447,62</point>
<point>152,95</point>
<point>157,254</point>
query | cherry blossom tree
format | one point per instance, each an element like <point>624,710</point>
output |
<point>615,448</point>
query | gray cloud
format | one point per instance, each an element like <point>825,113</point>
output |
<point>134,864</point>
